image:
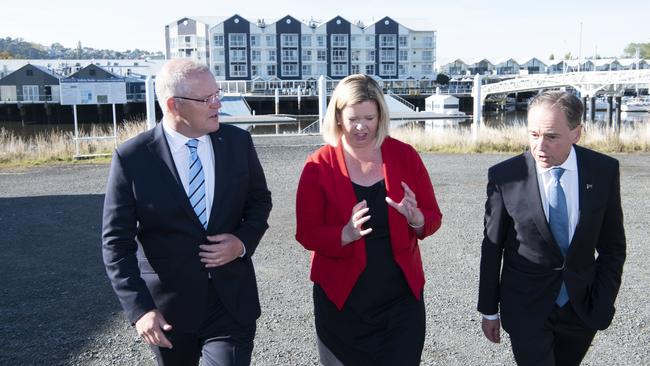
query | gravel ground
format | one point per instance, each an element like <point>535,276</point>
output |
<point>57,307</point>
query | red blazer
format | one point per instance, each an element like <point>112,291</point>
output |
<point>324,204</point>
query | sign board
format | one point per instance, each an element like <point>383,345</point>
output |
<point>93,92</point>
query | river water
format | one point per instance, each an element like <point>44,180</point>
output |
<point>489,119</point>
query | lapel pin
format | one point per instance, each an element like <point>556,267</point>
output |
<point>589,186</point>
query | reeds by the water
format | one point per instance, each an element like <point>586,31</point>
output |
<point>512,139</point>
<point>59,146</point>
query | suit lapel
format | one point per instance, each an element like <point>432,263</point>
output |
<point>220,154</point>
<point>585,192</point>
<point>160,149</point>
<point>536,205</point>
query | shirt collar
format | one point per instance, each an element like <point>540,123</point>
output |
<point>177,140</point>
<point>571,163</point>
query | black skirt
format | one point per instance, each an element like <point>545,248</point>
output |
<point>381,322</point>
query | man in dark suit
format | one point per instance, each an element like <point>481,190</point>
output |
<point>554,245</point>
<point>186,206</point>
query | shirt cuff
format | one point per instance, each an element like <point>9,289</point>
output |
<point>491,316</point>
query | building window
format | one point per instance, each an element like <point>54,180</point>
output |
<point>256,55</point>
<point>321,55</point>
<point>427,55</point>
<point>387,40</point>
<point>255,40</point>
<point>401,70</point>
<point>238,70</point>
<point>387,70</point>
<point>356,55</point>
<point>271,55</point>
<point>237,40</point>
<point>217,70</point>
<point>289,55</point>
<point>218,40</point>
<point>306,55</point>
<point>237,55</point>
<point>427,69</point>
<point>321,69</point>
<point>339,55</point>
<point>339,69</point>
<point>270,41</point>
<point>354,69</point>
<point>254,70</point>
<point>320,41</point>
<point>270,70</point>
<point>289,70</point>
<point>305,40</point>
<point>30,92</point>
<point>428,41</point>
<point>340,40</point>
<point>387,55</point>
<point>403,41</point>
<point>306,70</point>
<point>289,40</point>
<point>370,41</point>
<point>370,55</point>
<point>403,55</point>
<point>370,69</point>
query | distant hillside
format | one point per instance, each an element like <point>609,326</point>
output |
<point>20,49</point>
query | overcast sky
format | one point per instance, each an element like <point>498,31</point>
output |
<point>466,29</point>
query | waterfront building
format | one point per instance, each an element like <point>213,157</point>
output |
<point>30,83</point>
<point>236,48</point>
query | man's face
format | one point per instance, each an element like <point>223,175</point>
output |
<point>549,135</point>
<point>196,118</point>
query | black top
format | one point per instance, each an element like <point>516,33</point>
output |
<point>364,331</point>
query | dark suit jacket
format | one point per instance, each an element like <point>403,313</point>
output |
<point>324,203</point>
<point>151,235</point>
<point>522,267</point>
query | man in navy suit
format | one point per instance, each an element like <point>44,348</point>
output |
<point>186,206</point>
<point>553,283</point>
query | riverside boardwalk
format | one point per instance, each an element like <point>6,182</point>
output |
<point>57,307</point>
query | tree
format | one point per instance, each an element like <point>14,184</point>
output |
<point>79,50</point>
<point>567,56</point>
<point>442,79</point>
<point>551,57</point>
<point>644,50</point>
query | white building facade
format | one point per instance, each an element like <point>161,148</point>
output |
<point>289,49</point>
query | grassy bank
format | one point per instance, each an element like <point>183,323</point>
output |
<point>59,147</point>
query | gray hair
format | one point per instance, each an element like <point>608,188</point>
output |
<point>170,80</point>
<point>352,90</point>
<point>568,103</point>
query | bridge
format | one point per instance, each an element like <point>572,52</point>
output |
<point>586,83</point>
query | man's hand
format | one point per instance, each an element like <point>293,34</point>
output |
<point>151,326</point>
<point>492,329</point>
<point>221,249</point>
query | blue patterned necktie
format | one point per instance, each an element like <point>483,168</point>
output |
<point>197,182</point>
<point>558,220</point>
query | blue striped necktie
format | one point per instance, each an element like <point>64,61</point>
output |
<point>558,220</point>
<point>196,190</point>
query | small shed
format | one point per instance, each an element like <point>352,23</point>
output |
<point>444,104</point>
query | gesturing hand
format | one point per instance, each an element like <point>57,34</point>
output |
<point>408,207</point>
<point>354,230</point>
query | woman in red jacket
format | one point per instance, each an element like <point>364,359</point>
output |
<point>363,201</point>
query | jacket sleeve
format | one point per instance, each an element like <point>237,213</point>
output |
<point>496,222</point>
<point>118,243</point>
<point>426,198</point>
<point>312,230</point>
<point>611,248</point>
<point>257,209</point>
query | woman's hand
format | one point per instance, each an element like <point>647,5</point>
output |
<point>408,207</point>
<point>354,230</point>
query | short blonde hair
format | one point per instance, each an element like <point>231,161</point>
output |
<point>171,79</point>
<point>352,90</point>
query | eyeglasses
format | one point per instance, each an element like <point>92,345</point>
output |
<point>211,99</point>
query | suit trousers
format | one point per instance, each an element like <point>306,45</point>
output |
<point>563,340</point>
<point>221,340</point>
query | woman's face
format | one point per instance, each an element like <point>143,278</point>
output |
<point>359,123</point>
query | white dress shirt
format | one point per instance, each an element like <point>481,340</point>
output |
<point>569,183</point>
<point>181,155</point>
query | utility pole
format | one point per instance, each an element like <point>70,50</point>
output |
<point>580,47</point>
